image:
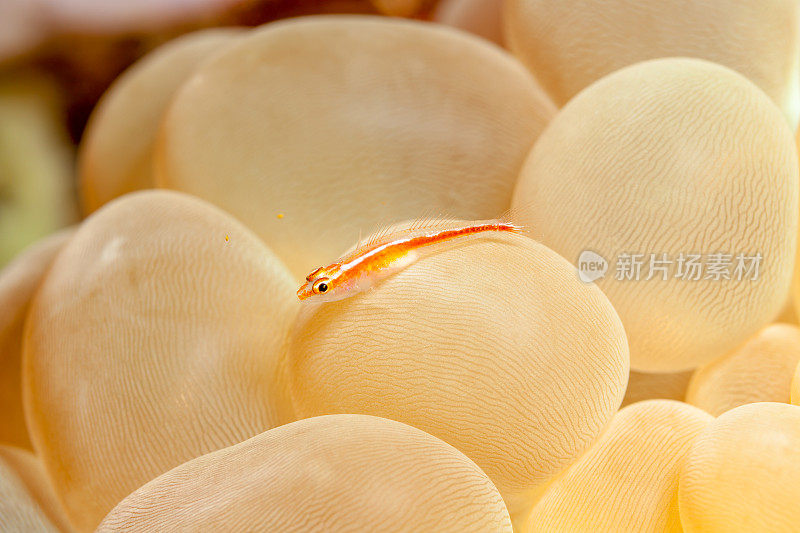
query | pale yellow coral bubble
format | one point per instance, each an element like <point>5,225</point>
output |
<point>788,314</point>
<point>743,472</point>
<point>569,45</point>
<point>628,480</point>
<point>19,510</point>
<point>481,17</point>
<point>151,341</point>
<point>656,385</point>
<point>492,345</point>
<point>398,8</point>
<point>331,473</point>
<point>760,370</point>
<point>22,28</point>
<point>18,283</point>
<point>131,19</point>
<point>675,157</point>
<point>795,396</point>
<point>345,124</point>
<point>28,470</point>
<point>116,150</point>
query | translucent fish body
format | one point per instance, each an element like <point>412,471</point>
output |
<point>387,253</point>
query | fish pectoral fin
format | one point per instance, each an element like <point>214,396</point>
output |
<point>404,260</point>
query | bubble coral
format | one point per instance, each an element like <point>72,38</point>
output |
<point>398,8</point>
<point>569,45</point>
<point>331,473</point>
<point>760,370</point>
<point>21,28</point>
<point>672,156</point>
<point>116,154</point>
<point>493,345</point>
<point>27,500</point>
<point>18,283</point>
<point>743,472</point>
<point>101,17</point>
<point>656,385</point>
<point>481,17</point>
<point>628,480</point>
<point>324,127</point>
<point>154,339</point>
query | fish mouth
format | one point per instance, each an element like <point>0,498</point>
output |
<point>303,292</point>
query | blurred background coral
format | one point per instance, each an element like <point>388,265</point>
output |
<point>57,57</point>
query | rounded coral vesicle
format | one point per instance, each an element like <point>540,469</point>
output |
<point>154,338</point>
<point>569,45</point>
<point>492,345</point>
<point>331,473</point>
<point>27,499</point>
<point>628,480</point>
<point>760,370</point>
<point>314,129</point>
<point>683,176</point>
<point>481,17</point>
<point>19,281</point>
<point>743,472</point>
<point>116,155</point>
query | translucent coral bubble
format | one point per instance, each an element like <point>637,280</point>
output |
<point>683,172</point>
<point>330,473</point>
<point>23,505</point>
<point>656,385</point>
<point>18,283</point>
<point>493,346</point>
<point>743,472</point>
<point>795,394</point>
<point>116,150</point>
<point>628,480</point>
<point>315,129</point>
<point>22,28</point>
<point>37,504</point>
<point>398,8</point>
<point>760,370</point>
<point>481,17</point>
<point>795,294</point>
<point>154,339</point>
<point>569,45</point>
<point>101,16</point>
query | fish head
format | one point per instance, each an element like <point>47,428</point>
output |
<point>323,284</point>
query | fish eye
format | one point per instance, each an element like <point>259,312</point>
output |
<point>321,286</point>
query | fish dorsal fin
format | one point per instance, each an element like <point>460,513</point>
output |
<point>430,221</point>
<point>435,222</point>
<point>389,231</point>
<point>379,236</point>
